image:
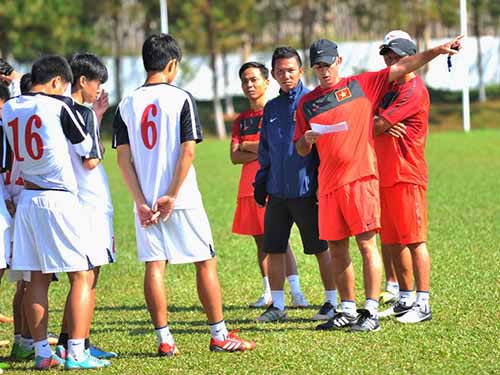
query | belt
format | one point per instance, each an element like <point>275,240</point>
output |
<point>31,186</point>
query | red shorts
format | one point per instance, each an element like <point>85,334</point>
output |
<point>248,218</point>
<point>404,214</point>
<point>350,210</point>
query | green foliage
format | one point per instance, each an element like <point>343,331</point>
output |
<point>30,28</point>
<point>463,241</point>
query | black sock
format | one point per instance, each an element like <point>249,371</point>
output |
<point>63,340</point>
<point>87,343</point>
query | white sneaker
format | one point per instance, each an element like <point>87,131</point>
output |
<point>263,301</point>
<point>387,297</point>
<point>395,309</point>
<point>416,315</point>
<point>298,300</point>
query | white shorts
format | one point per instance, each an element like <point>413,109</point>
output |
<point>102,246</point>
<point>5,253</point>
<point>50,233</point>
<point>185,238</point>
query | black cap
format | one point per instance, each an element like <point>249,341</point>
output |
<point>323,51</point>
<point>401,47</point>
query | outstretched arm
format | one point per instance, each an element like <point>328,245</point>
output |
<point>411,63</point>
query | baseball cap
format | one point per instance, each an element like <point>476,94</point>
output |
<point>399,42</point>
<point>323,51</point>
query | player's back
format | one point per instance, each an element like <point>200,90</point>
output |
<point>158,119</point>
<point>37,127</point>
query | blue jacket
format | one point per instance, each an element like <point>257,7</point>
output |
<point>285,173</point>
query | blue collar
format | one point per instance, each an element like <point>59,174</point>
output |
<point>292,94</point>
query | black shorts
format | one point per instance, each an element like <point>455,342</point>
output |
<point>279,218</point>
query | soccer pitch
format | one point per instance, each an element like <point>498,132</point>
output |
<point>464,237</point>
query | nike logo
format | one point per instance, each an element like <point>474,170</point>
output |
<point>44,346</point>
<point>273,119</point>
<point>319,52</point>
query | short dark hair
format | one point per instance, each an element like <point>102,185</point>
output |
<point>5,67</point>
<point>253,64</point>
<point>25,83</point>
<point>4,92</point>
<point>158,50</point>
<point>285,53</point>
<point>48,67</point>
<point>88,65</point>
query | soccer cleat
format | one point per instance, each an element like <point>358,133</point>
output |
<point>366,322</point>
<point>166,350</point>
<point>20,353</point>
<point>415,315</point>
<point>53,361</point>
<point>387,297</point>
<point>61,352</point>
<point>396,309</point>
<point>340,320</point>
<point>101,354</point>
<point>299,301</point>
<point>52,338</point>
<point>263,301</point>
<point>272,314</point>
<point>232,343</point>
<point>86,363</point>
<point>326,312</point>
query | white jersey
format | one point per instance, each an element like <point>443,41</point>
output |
<point>37,127</point>
<point>93,187</point>
<point>155,120</point>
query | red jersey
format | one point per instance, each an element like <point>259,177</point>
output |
<point>346,152</point>
<point>246,127</point>
<point>402,159</point>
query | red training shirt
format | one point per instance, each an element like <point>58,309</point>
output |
<point>246,127</point>
<point>403,159</point>
<point>347,154</point>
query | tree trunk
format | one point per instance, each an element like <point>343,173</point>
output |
<point>477,21</point>
<point>227,96</point>
<point>306,31</point>
<point>220,128</point>
<point>117,56</point>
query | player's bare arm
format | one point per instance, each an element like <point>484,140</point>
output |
<point>101,105</point>
<point>165,204</point>
<point>239,156</point>
<point>411,63</point>
<point>91,163</point>
<point>381,126</point>
<point>145,213</point>
<point>304,144</point>
<point>250,146</point>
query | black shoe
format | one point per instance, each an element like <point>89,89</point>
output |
<point>366,322</point>
<point>339,321</point>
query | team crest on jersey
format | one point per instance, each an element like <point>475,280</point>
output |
<point>343,94</point>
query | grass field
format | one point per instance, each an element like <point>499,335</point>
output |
<point>462,338</point>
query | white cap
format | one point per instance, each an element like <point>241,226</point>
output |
<point>396,34</point>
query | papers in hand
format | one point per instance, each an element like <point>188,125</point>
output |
<point>326,129</point>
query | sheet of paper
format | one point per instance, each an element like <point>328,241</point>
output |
<point>326,129</point>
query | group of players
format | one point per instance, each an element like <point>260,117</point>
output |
<point>309,155</point>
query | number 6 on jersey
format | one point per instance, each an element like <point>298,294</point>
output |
<point>149,124</point>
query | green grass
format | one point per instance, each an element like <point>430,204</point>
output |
<point>464,223</point>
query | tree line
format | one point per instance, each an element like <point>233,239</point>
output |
<point>30,28</point>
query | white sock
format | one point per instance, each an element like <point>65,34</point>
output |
<point>294,282</point>
<point>164,335</point>
<point>423,300</point>
<point>267,286</point>
<point>76,349</point>
<point>406,298</point>
<point>27,342</point>
<point>278,297</point>
<point>349,307</point>
<point>42,349</point>
<point>17,338</point>
<point>372,306</point>
<point>219,330</point>
<point>392,287</point>
<point>331,296</point>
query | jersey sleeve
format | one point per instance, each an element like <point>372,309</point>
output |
<point>374,84</point>
<point>120,132</point>
<point>406,104</point>
<point>301,124</point>
<point>235,134</point>
<point>190,125</point>
<point>92,126</point>
<point>73,127</point>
